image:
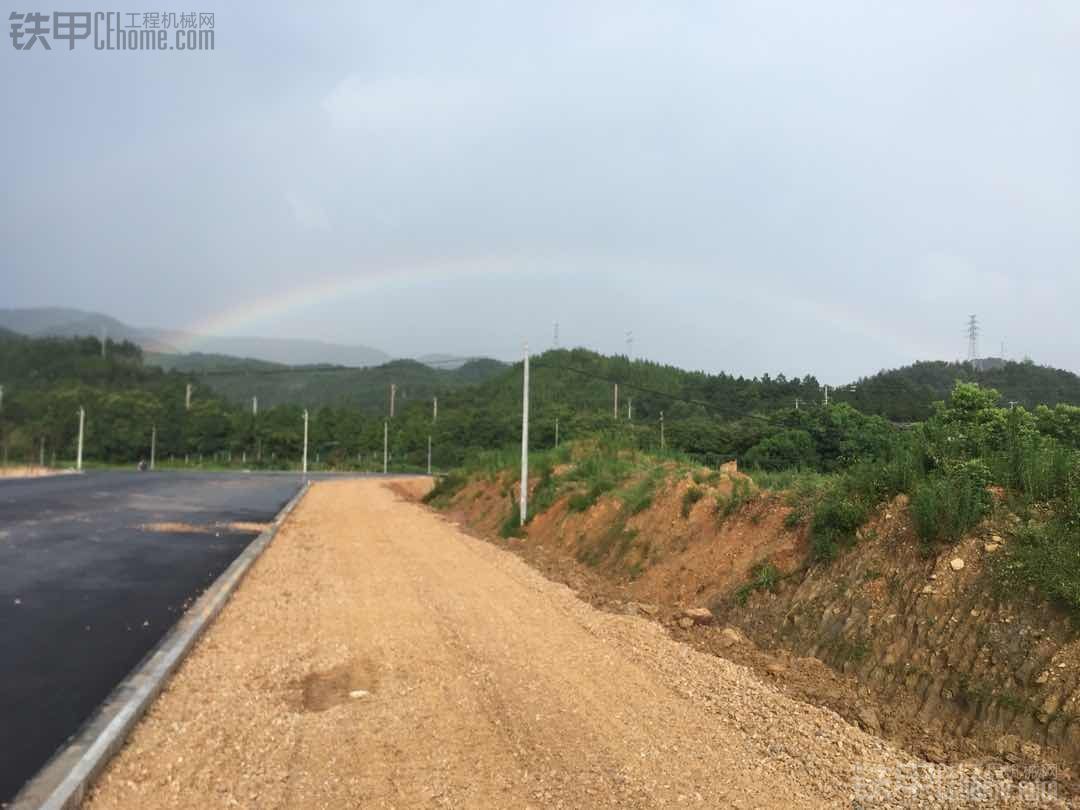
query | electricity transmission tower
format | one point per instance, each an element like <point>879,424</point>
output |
<point>973,338</point>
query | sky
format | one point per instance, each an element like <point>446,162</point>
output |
<point>825,188</point>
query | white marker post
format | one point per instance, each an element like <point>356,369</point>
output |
<point>78,452</point>
<point>523,505</point>
<point>305,441</point>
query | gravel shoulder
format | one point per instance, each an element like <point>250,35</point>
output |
<point>376,656</point>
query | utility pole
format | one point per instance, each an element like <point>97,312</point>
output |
<point>393,394</point>
<point>254,406</point>
<point>305,441</point>
<point>153,445</point>
<point>523,504</point>
<point>385,443</point>
<point>630,410</point>
<point>796,403</point>
<point>187,398</point>
<point>429,454</point>
<point>434,410</point>
<point>661,430</point>
<point>826,396</point>
<point>556,431</point>
<point>616,400</point>
<point>78,451</point>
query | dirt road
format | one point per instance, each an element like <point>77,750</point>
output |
<point>378,657</point>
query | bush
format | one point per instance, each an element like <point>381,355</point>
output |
<point>1048,557</point>
<point>742,492</point>
<point>836,519</point>
<point>689,498</point>
<point>763,577</point>
<point>946,506</point>
<point>446,488</point>
<point>511,527</point>
<point>640,496</point>
<point>788,448</point>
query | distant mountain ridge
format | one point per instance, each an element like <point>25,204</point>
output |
<point>68,322</point>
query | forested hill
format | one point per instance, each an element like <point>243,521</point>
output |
<point>365,388</point>
<point>907,394</point>
<point>582,380</point>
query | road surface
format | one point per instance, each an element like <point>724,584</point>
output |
<point>86,588</point>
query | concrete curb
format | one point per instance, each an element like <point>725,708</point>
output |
<point>64,780</point>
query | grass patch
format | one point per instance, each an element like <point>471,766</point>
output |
<point>689,498</point>
<point>511,527</point>
<point>612,544</point>
<point>705,477</point>
<point>639,497</point>
<point>764,577</point>
<point>742,492</point>
<point>445,489</point>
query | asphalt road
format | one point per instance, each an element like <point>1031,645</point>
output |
<point>85,592</point>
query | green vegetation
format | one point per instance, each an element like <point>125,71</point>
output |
<point>908,394</point>
<point>742,492</point>
<point>969,457</point>
<point>446,487</point>
<point>764,577</point>
<point>691,497</point>
<point>639,496</point>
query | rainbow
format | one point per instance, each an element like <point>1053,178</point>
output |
<point>233,320</point>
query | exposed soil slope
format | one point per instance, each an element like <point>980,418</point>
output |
<point>916,651</point>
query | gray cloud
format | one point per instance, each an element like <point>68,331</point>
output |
<point>827,188</point>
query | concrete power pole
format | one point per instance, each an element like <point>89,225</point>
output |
<point>254,406</point>
<point>434,410</point>
<point>153,446</point>
<point>616,400</point>
<point>393,394</point>
<point>385,444</point>
<point>556,432</point>
<point>304,462</point>
<point>826,396</point>
<point>187,398</point>
<point>630,410</point>
<point>78,451</point>
<point>523,504</point>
